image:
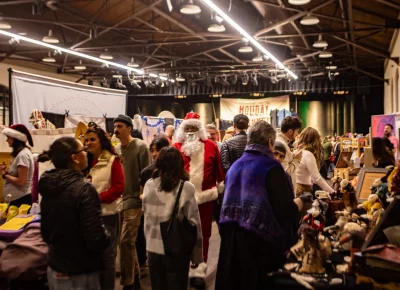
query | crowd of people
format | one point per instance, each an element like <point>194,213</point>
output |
<point>100,199</point>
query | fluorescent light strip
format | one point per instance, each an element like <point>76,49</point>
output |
<point>248,36</point>
<point>37,42</point>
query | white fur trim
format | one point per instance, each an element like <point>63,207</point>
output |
<point>221,187</point>
<point>15,134</point>
<point>206,195</point>
<point>180,132</point>
<point>199,272</point>
<point>196,169</point>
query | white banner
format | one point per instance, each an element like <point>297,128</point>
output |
<point>73,121</point>
<point>31,92</point>
<point>267,109</point>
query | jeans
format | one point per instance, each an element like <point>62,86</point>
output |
<point>107,276</point>
<point>168,273</point>
<point>59,281</point>
<point>129,260</point>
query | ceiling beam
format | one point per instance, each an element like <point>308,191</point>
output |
<point>311,54</point>
<point>292,18</point>
<point>196,54</point>
<point>311,12</point>
<point>351,23</point>
<point>174,21</point>
<point>343,14</point>
<point>390,4</point>
<point>227,53</point>
<point>300,32</point>
<point>154,44</point>
<point>370,50</point>
<point>367,73</point>
<point>118,24</point>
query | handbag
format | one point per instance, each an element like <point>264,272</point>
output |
<point>332,158</point>
<point>179,237</point>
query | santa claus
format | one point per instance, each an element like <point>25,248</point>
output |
<point>202,161</point>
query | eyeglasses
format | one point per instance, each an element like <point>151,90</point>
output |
<point>79,151</point>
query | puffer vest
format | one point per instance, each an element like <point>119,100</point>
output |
<point>101,180</point>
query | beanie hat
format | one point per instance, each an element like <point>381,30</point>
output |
<point>279,146</point>
<point>124,119</point>
<point>19,132</point>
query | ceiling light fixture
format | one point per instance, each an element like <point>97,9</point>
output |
<point>190,8</point>
<point>4,24</point>
<point>299,2</point>
<point>180,78</point>
<point>325,55</point>
<point>245,49</point>
<point>106,55</point>
<point>216,27</point>
<point>331,67</point>
<point>258,58</point>
<point>80,66</point>
<point>309,20</point>
<point>49,58</point>
<point>320,43</point>
<point>133,63</point>
<point>50,38</point>
<point>245,34</point>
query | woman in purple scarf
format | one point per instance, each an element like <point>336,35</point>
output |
<point>259,218</point>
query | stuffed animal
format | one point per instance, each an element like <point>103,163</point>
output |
<point>315,217</point>
<point>349,195</point>
<point>336,186</point>
<point>315,253</point>
<point>39,122</point>
<point>380,187</point>
<point>372,204</point>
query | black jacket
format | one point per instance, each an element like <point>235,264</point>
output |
<point>71,222</point>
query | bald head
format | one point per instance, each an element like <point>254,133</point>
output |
<point>169,131</point>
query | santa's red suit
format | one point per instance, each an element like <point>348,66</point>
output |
<point>204,167</point>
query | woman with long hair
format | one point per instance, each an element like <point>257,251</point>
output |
<point>382,157</point>
<point>71,221</point>
<point>159,142</point>
<point>18,178</point>
<point>105,172</point>
<point>308,171</point>
<point>160,193</point>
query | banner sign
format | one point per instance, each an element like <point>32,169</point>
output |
<point>272,110</point>
<point>57,96</point>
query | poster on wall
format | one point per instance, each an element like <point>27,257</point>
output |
<point>57,96</point>
<point>378,123</point>
<point>272,110</point>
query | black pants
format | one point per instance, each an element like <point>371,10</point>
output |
<point>107,276</point>
<point>168,273</point>
<point>141,243</point>
<point>26,199</point>
<point>244,260</point>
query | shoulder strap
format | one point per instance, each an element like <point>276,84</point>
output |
<point>179,195</point>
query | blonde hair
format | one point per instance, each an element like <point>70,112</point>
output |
<point>310,140</point>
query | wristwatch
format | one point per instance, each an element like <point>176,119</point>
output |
<point>4,176</point>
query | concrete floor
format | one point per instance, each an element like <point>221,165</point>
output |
<point>213,254</point>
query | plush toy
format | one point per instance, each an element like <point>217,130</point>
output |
<point>337,227</point>
<point>380,187</point>
<point>39,122</point>
<point>315,252</point>
<point>315,217</point>
<point>336,186</point>
<point>372,204</point>
<point>348,195</point>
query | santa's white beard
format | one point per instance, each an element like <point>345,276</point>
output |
<point>191,143</point>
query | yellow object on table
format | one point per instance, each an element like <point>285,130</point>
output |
<point>17,223</point>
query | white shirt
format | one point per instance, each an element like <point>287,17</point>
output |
<point>307,172</point>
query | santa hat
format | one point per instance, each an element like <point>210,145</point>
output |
<point>19,132</point>
<point>191,119</point>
